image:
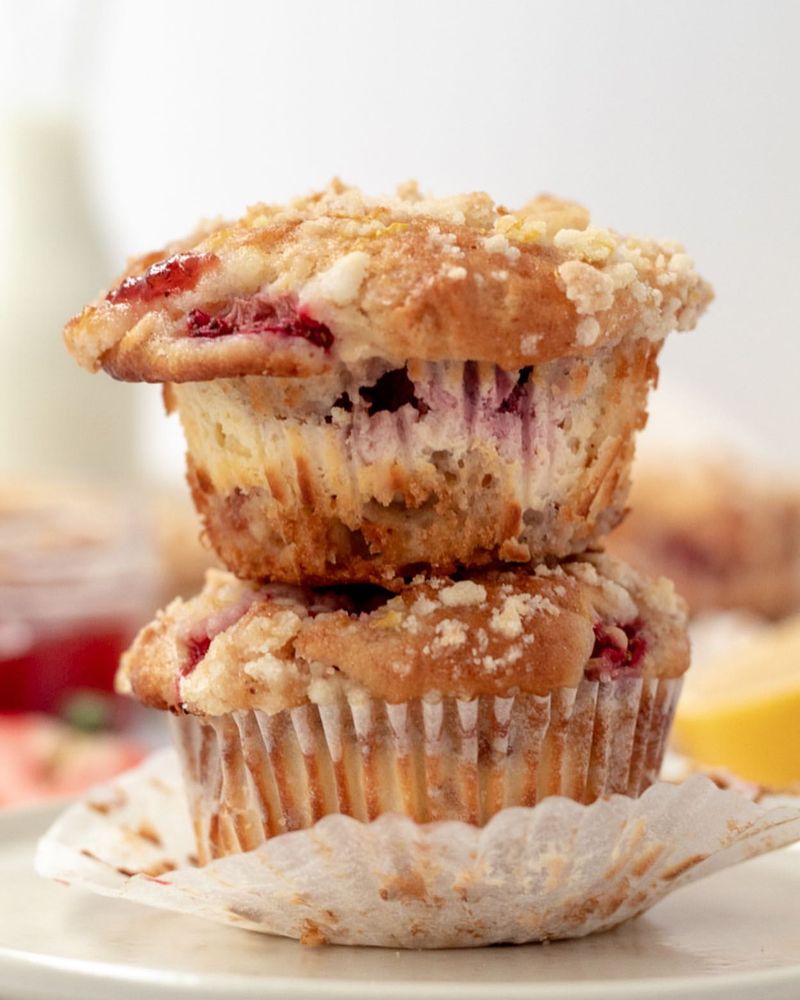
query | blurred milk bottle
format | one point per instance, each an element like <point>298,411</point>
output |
<point>55,418</point>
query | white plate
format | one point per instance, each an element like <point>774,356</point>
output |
<point>734,935</point>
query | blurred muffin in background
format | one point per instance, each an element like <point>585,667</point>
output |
<point>42,757</point>
<point>729,537</point>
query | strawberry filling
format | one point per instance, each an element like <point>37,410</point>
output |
<point>618,650</point>
<point>197,641</point>
<point>199,636</point>
<point>196,649</point>
<point>179,273</point>
<point>260,315</point>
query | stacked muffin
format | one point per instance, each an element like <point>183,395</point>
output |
<point>410,424</point>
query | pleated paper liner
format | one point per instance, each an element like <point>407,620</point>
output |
<point>304,480</point>
<point>251,776</point>
<point>558,870</point>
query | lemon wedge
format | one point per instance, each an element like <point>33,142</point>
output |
<point>742,711</point>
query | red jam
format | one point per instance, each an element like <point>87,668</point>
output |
<point>259,315</point>
<point>202,325</point>
<point>611,658</point>
<point>179,273</point>
<point>196,649</point>
<point>42,678</point>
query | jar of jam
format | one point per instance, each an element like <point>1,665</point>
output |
<point>77,579</point>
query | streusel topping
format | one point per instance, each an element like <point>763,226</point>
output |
<point>339,277</point>
<point>240,646</point>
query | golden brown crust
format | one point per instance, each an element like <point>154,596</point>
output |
<point>727,537</point>
<point>496,633</point>
<point>477,648</point>
<point>397,278</point>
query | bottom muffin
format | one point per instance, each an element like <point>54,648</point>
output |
<point>453,699</point>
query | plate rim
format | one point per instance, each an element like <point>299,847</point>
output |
<point>163,983</point>
<point>28,822</point>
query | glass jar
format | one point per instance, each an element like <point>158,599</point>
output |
<point>77,579</point>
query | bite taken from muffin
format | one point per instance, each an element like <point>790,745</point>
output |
<point>370,387</point>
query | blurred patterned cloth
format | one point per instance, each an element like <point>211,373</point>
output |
<point>42,757</point>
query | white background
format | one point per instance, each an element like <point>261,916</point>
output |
<point>674,119</point>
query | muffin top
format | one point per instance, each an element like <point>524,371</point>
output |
<point>239,646</point>
<point>337,277</point>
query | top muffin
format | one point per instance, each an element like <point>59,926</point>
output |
<point>338,277</point>
<point>374,388</point>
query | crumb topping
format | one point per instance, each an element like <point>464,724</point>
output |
<point>509,619</point>
<point>587,331</point>
<point>529,343</point>
<point>401,277</point>
<point>496,633</point>
<point>465,593</point>
<point>590,244</point>
<point>342,280</point>
<point>590,289</point>
<point>449,632</point>
<point>423,606</point>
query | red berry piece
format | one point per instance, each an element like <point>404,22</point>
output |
<point>618,649</point>
<point>196,649</point>
<point>179,273</point>
<point>259,316</point>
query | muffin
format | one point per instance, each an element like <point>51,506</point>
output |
<point>730,539</point>
<point>452,699</point>
<point>373,386</point>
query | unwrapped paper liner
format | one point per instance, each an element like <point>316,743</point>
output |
<point>556,870</point>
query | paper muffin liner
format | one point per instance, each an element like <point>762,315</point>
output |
<point>251,776</point>
<point>317,480</point>
<point>558,870</point>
